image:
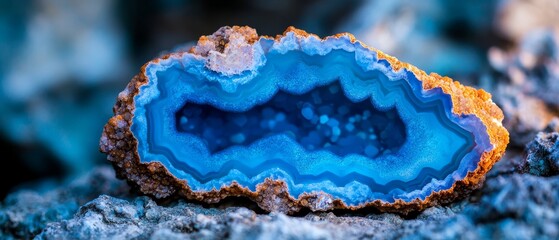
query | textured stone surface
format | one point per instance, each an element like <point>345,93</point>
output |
<point>25,213</point>
<point>165,135</point>
<point>510,205</point>
<point>543,152</point>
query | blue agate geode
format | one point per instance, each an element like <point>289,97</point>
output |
<point>299,121</point>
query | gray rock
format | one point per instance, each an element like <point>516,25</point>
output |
<point>25,213</point>
<point>512,204</point>
<point>527,203</point>
<point>543,154</point>
<point>109,217</point>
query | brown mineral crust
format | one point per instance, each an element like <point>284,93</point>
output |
<point>272,195</point>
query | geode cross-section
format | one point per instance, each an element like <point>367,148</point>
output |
<point>298,121</point>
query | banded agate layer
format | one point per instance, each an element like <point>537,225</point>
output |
<point>324,116</point>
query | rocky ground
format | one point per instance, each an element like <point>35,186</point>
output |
<point>520,200</point>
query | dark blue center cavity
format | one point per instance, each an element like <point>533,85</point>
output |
<point>322,118</point>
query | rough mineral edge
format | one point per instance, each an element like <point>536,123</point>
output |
<point>272,195</point>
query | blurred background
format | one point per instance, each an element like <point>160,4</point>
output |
<point>63,62</point>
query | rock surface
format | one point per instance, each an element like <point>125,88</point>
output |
<point>26,213</point>
<point>543,153</point>
<point>512,204</point>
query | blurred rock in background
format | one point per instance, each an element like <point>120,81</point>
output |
<point>517,19</point>
<point>62,64</point>
<point>447,37</point>
<point>524,77</point>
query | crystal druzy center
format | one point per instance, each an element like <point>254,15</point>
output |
<point>322,118</point>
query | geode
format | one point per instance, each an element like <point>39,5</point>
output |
<point>296,122</point>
